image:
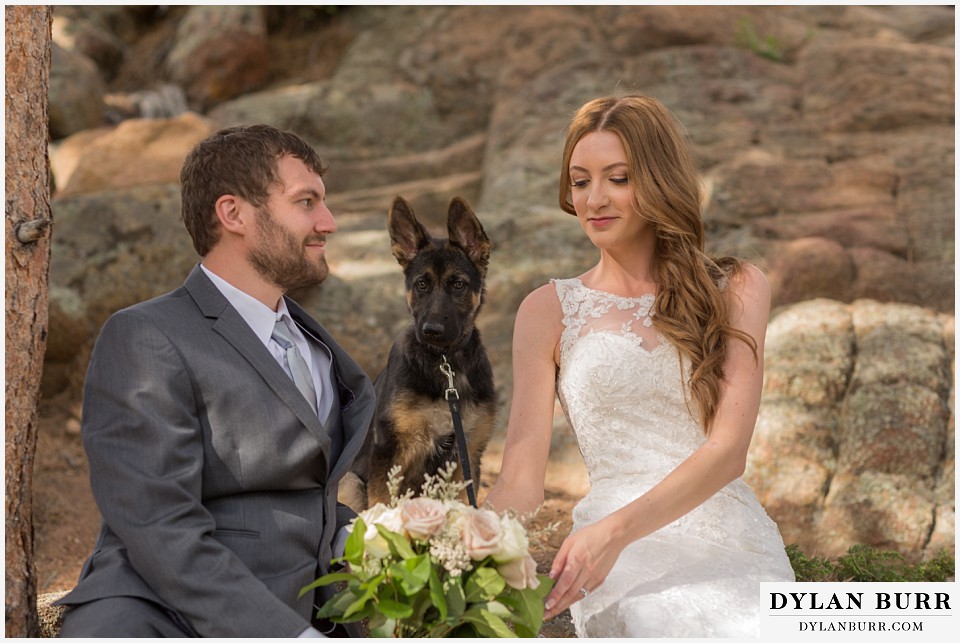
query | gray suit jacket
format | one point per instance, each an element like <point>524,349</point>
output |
<point>213,476</point>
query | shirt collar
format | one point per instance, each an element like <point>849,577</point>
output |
<point>258,316</point>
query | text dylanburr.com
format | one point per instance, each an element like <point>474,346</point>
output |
<point>796,611</point>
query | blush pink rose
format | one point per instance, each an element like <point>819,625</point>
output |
<point>480,533</point>
<point>520,573</point>
<point>423,517</point>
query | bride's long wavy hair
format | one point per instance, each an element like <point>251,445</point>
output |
<point>690,309</point>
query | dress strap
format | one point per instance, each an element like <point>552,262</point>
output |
<point>572,296</point>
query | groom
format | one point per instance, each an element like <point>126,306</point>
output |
<point>218,418</point>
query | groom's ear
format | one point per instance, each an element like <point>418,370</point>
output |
<point>229,211</point>
<point>407,236</point>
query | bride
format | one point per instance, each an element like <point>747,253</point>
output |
<point>656,354</point>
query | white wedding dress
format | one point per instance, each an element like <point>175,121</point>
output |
<point>620,387</point>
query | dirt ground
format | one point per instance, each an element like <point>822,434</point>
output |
<point>66,519</point>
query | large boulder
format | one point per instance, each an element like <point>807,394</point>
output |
<point>135,152</point>
<point>219,52</point>
<point>854,442</point>
<point>118,247</point>
<point>871,85</point>
<point>75,96</point>
<point>93,32</point>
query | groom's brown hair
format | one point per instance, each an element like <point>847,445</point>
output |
<point>241,161</point>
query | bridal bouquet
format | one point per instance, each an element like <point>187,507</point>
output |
<point>434,566</point>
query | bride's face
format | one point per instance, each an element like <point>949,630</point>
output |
<point>602,191</point>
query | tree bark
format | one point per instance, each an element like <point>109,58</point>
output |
<point>28,227</point>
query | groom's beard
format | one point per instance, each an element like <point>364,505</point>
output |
<point>282,259</point>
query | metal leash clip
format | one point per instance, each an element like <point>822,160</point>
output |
<point>447,370</point>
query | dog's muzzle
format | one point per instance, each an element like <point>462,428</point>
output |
<point>433,332</point>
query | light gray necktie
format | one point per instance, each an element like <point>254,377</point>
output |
<point>296,366</point>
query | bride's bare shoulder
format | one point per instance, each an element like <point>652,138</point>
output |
<point>541,309</point>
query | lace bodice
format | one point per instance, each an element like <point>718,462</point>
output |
<point>621,386</point>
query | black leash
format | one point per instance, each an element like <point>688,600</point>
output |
<point>454,402</point>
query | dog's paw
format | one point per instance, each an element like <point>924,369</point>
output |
<point>352,492</point>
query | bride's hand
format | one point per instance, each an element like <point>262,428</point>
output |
<point>582,563</point>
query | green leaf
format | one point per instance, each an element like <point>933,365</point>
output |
<point>336,606</point>
<point>424,613</point>
<point>394,609</point>
<point>440,631</point>
<point>366,612</point>
<point>437,596</point>
<point>483,585</point>
<point>456,601</point>
<point>370,589</point>
<point>524,632</point>
<point>414,573</point>
<point>488,624</point>
<point>526,606</point>
<point>546,584</point>
<point>499,627</point>
<point>498,609</point>
<point>354,547</point>
<point>327,579</point>
<point>398,544</point>
<point>356,606</point>
<point>382,627</point>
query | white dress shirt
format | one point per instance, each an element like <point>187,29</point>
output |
<point>261,320</point>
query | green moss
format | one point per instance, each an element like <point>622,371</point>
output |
<point>768,47</point>
<point>865,564</point>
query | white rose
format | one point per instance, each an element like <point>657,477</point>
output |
<point>514,543</point>
<point>389,518</point>
<point>423,517</point>
<point>480,533</point>
<point>520,573</point>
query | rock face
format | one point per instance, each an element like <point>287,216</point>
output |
<point>102,161</point>
<point>825,137</point>
<point>75,93</point>
<point>219,53</point>
<point>855,439</point>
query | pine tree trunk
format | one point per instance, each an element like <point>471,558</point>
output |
<point>28,227</point>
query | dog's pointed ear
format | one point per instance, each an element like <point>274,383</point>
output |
<point>464,229</point>
<point>407,236</point>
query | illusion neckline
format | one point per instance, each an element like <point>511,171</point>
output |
<point>612,295</point>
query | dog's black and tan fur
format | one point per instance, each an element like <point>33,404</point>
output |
<point>412,426</point>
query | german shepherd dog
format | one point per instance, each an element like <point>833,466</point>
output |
<point>412,426</point>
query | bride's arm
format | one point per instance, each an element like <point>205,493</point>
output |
<point>536,334</point>
<point>585,559</point>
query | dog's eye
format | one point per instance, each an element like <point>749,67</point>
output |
<point>459,284</point>
<point>421,284</point>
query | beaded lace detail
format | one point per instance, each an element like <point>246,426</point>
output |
<point>620,385</point>
<point>586,310</point>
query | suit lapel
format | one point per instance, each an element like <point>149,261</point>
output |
<point>352,386</point>
<point>231,326</point>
